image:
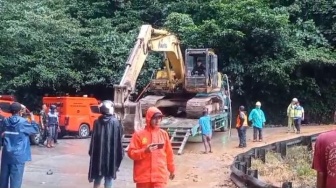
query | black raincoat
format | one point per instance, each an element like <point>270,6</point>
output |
<point>106,151</point>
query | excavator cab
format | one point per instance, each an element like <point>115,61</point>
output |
<point>202,71</point>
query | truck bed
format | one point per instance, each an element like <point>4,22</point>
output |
<point>180,129</point>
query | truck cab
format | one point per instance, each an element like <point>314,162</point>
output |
<point>76,114</point>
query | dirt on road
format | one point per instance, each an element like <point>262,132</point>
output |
<point>198,170</point>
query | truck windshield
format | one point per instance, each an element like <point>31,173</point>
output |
<point>192,59</point>
<point>5,107</point>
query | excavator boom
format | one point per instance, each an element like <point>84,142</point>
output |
<point>149,39</point>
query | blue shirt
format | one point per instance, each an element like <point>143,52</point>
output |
<point>16,146</point>
<point>257,117</point>
<point>205,124</point>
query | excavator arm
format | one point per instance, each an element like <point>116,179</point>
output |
<point>149,39</point>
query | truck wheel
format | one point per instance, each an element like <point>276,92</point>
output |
<point>84,131</point>
<point>35,139</point>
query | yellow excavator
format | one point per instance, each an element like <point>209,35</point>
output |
<point>181,87</point>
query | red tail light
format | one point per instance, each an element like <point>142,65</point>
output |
<point>7,97</point>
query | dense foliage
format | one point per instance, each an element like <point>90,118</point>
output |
<point>272,50</point>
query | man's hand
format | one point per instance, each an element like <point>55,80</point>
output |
<point>32,118</point>
<point>171,176</point>
<point>151,148</point>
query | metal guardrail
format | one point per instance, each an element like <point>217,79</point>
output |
<point>243,177</point>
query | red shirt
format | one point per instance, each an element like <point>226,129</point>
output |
<point>325,157</point>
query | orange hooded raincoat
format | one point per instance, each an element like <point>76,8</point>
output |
<point>151,167</point>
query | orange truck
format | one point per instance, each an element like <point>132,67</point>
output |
<point>76,114</point>
<point>5,102</point>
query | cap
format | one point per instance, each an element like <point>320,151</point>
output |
<point>15,107</point>
<point>241,108</point>
<point>295,100</point>
<point>157,115</point>
<point>258,103</point>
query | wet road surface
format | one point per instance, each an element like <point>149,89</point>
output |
<point>69,162</point>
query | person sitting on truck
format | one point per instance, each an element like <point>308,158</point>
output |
<point>106,151</point>
<point>206,130</point>
<point>52,123</point>
<point>152,153</point>
<point>15,132</point>
<point>199,69</point>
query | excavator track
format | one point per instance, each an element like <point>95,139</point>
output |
<point>149,101</point>
<point>195,106</point>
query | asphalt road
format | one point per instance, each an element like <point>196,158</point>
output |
<point>69,162</point>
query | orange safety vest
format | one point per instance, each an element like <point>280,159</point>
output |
<point>238,121</point>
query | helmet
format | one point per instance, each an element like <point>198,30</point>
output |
<point>106,107</point>
<point>53,107</point>
<point>295,100</point>
<point>241,108</point>
<point>258,103</point>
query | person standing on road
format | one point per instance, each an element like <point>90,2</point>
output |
<point>57,128</point>
<point>106,150</point>
<point>152,153</point>
<point>324,160</point>
<point>298,117</point>
<point>206,130</point>
<point>15,132</point>
<point>44,123</point>
<point>291,115</point>
<point>52,125</point>
<point>242,126</point>
<point>258,119</point>
<point>1,121</point>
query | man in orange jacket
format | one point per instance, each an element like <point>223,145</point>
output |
<point>152,153</point>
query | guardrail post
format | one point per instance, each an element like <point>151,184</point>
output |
<point>248,160</point>
<point>287,185</point>
<point>240,158</point>
<point>277,147</point>
<point>262,155</point>
<point>283,149</point>
<point>253,173</point>
<point>255,153</point>
<point>307,141</point>
<point>236,163</point>
<point>242,167</point>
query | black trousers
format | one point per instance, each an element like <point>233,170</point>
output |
<point>256,131</point>
<point>242,136</point>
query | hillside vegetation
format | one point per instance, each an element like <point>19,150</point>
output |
<point>272,50</point>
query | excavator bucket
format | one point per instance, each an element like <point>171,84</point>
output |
<point>132,119</point>
<point>129,112</point>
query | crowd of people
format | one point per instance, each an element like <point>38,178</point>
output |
<point>150,148</point>
<point>295,114</point>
